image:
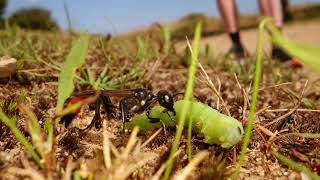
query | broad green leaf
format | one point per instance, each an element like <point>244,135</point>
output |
<point>75,58</point>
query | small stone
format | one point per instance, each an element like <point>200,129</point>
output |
<point>304,176</point>
<point>8,66</point>
<point>297,86</point>
<point>44,101</point>
<point>261,173</point>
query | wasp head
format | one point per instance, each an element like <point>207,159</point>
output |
<point>165,99</point>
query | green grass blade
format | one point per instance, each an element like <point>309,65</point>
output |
<point>257,77</point>
<point>75,58</point>
<point>188,96</point>
<point>17,133</point>
<point>34,129</point>
<point>103,74</point>
<point>296,166</point>
<point>91,78</point>
<point>166,38</point>
<point>308,55</point>
<point>142,49</point>
<point>49,128</point>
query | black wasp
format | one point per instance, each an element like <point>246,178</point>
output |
<point>132,101</point>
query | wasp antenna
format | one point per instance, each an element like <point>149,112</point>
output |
<point>177,94</point>
<point>182,93</point>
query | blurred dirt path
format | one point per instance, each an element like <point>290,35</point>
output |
<point>307,32</point>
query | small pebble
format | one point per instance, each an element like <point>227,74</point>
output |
<point>8,66</point>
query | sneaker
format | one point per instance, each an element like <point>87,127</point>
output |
<point>279,54</point>
<point>237,51</point>
<point>294,63</point>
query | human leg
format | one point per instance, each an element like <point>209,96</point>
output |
<point>276,12</point>
<point>273,8</point>
<point>229,14</point>
<point>264,8</point>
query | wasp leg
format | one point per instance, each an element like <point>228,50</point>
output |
<point>108,106</point>
<point>67,119</point>
<point>156,120</point>
<point>152,119</point>
<point>123,113</point>
<point>167,111</point>
<point>164,128</point>
<point>174,113</point>
<point>96,120</point>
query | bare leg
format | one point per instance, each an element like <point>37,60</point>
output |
<point>276,12</point>
<point>229,13</point>
<point>264,8</point>
<point>272,8</point>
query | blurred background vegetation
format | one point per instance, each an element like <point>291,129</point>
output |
<point>213,25</point>
<point>41,19</point>
<point>28,18</point>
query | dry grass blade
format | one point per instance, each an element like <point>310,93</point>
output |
<point>157,175</point>
<point>191,166</point>
<point>303,135</point>
<point>264,109</point>
<point>303,90</point>
<point>114,150</point>
<point>137,148</point>
<point>133,166</point>
<point>151,138</point>
<point>106,147</point>
<point>131,158</point>
<point>155,66</point>
<point>284,110</point>
<point>33,174</point>
<point>292,110</point>
<point>27,171</point>
<point>123,165</point>
<point>283,116</point>
<point>265,130</point>
<point>211,85</point>
<point>132,140</point>
<point>274,86</point>
<point>245,97</point>
<point>219,91</point>
<point>69,169</point>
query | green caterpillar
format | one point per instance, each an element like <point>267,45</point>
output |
<point>216,128</point>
